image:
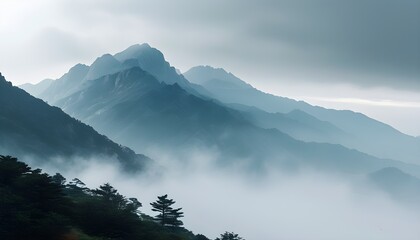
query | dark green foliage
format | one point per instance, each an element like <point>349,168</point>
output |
<point>167,216</point>
<point>32,206</point>
<point>36,206</point>
<point>200,237</point>
<point>103,207</point>
<point>76,189</point>
<point>58,179</point>
<point>229,236</point>
<point>75,182</point>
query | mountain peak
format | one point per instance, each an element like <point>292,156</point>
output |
<point>103,65</point>
<point>153,61</point>
<point>104,58</point>
<point>137,46</point>
<point>79,66</point>
<point>140,51</point>
<point>77,72</point>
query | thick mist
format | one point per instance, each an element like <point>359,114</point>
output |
<point>275,205</point>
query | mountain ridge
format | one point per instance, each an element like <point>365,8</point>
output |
<point>387,142</point>
<point>144,113</point>
<point>143,56</point>
<point>89,104</point>
<point>30,127</point>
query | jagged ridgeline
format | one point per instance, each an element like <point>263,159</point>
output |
<point>138,99</point>
<point>304,121</point>
<point>30,128</point>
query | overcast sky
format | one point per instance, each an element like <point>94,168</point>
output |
<point>357,54</point>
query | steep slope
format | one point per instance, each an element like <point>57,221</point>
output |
<point>363,133</point>
<point>77,76</point>
<point>134,108</point>
<point>64,86</point>
<point>152,60</point>
<point>100,94</point>
<point>144,56</point>
<point>30,127</point>
<point>230,89</point>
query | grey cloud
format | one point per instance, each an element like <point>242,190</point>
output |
<point>381,38</point>
<point>362,42</point>
<point>374,37</point>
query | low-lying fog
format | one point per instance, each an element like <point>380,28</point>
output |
<point>302,205</point>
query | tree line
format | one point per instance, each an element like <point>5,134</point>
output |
<point>35,205</point>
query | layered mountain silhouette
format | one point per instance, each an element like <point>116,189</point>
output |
<point>144,56</point>
<point>147,105</point>
<point>298,124</point>
<point>350,129</point>
<point>31,128</point>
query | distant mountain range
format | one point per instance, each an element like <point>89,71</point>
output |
<point>139,100</point>
<point>31,129</point>
<point>350,129</point>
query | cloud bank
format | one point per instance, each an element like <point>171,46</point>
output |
<point>280,205</point>
<point>366,43</point>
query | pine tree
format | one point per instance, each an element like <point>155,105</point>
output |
<point>167,216</point>
<point>58,179</point>
<point>110,196</point>
<point>229,236</point>
<point>173,217</point>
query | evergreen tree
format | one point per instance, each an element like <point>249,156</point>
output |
<point>106,207</point>
<point>167,216</point>
<point>76,189</point>
<point>58,179</point>
<point>229,236</point>
<point>77,183</point>
<point>32,205</point>
<point>173,217</point>
<point>110,196</point>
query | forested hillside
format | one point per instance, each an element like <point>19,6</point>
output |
<point>35,205</point>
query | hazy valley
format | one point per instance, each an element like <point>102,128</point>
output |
<point>229,153</point>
